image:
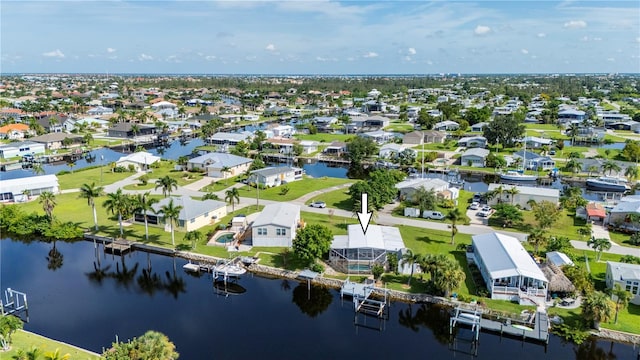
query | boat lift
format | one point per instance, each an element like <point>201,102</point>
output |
<point>14,303</point>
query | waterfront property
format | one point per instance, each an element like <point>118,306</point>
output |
<point>19,190</point>
<point>125,130</point>
<point>358,252</point>
<point>276,225</point>
<point>231,139</point>
<point>14,131</point>
<point>559,259</point>
<point>625,275</point>
<point>475,157</point>
<point>391,151</point>
<point>275,176</point>
<point>523,195</point>
<point>193,215</point>
<point>21,148</point>
<point>213,164</point>
<point>140,161</point>
<point>336,148</point>
<point>623,213</point>
<point>54,141</point>
<point>508,270</point>
<point>533,161</point>
<point>407,188</point>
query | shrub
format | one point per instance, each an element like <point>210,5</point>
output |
<point>317,268</point>
<point>377,271</point>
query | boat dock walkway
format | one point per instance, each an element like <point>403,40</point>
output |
<point>362,301</point>
<point>474,319</point>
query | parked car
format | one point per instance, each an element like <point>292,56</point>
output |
<point>434,215</point>
<point>474,205</point>
<point>486,208</point>
<point>477,197</point>
<point>318,204</point>
<point>483,213</point>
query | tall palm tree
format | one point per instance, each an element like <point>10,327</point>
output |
<point>631,172</point>
<point>167,183</point>
<point>232,196</point>
<point>611,166</point>
<point>597,307</point>
<point>193,236</point>
<point>450,275</point>
<point>622,298</point>
<point>171,213</point>
<point>37,169</point>
<point>117,202</point>
<point>572,131</point>
<point>573,165</point>
<point>135,129</point>
<point>48,201</point>
<point>91,192</point>
<point>454,216</point>
<point>425,199</point>
<point>144,203</point>
<point>409,258</point>
<point>513,191</point>
<point>537,238</point>
<point>599,245</point>
<point>593,169</point>
<point>224,171</point>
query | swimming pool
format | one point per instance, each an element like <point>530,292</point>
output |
<point>359,267</point>
<point>224,238</point>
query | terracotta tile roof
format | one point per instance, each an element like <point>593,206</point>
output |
<point>595,210</point>
<point>17,127</point>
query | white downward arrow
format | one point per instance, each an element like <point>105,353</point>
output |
<point>365,216</point>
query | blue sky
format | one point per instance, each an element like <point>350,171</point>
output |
<point>319,37</point>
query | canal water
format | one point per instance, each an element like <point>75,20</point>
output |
<point>88,302</point>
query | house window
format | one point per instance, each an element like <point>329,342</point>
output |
<point>634,289</point>
<point>628,287</point>
<point>262,231</point>
<point>281,232</point>
<point>192,220</point>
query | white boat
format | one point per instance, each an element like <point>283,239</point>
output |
<point>514,175</point>
<point>191,267</point>
<point>228,269</point>
<point>606,183</point>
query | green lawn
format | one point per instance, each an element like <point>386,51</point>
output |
<point>542,127</point>
<point>78,177</point>
<point>296,188</point>
<point>338,199</point>
<point>222,184</point>
<point>167,168</point>
<point>627,320</point>
<point>567,225</point>
<point>25,340</point>
<point>400,127</point>
<point>324,137</point>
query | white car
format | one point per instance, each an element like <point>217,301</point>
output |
<point>474,205</point>
<point>483,213</point>
<point>486,208</point>
<point>318,204</point>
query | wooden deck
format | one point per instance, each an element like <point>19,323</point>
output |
<point>537,329</point>
<point>118,247</point>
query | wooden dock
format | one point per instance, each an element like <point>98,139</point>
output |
<point>118,247</point>
<point>362,301</point>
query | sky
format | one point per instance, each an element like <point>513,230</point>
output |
<point>319,37</point>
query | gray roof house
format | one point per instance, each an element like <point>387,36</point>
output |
<point>222,138</point>
<point>213,163</point>
<point>193,215</point>
<point>535,161</point>
<point>275,176</point>
<point>446,125</point>
<point>474,157</point>
<point>524,194</point>
<point>276,225</point>
<point>619,215</point>
<point>479,126</point>
<point>625,275</point>
<point>473,141</point>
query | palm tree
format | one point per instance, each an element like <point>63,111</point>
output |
<point>599,245</point>
<point>118,203</point>
<point>573,165</point>
<point>513,191</point>
<point>48,201</point>
<point>55,355</point>
<point>135,129</point>
<point>144,204</point>
<point>224,171</point>
<point>611,166</point>
<point>171,213</point>
<point>537,238</point>
<point>425,199</point>
<point>409,258</point>
<point>454,216</point>
<point>193,236</point>
<point>572,131</point>
<point>597,307</point>
<point>91,192</point>
<point>631,172</point>
<point>450,275</point>
<point>232,196</point>
<point>622,298</point>
<point>593,169</point>
<point>37,169</point>
<point>167,183</point>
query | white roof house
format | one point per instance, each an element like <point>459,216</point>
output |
<point>524,194</point>
<point>11,190</point>
<point>140,160</point>
<point>558,258</point>
<point>276,225</point>
<point>507,268</point>
<point>406,188</point>
<point>625,275</point>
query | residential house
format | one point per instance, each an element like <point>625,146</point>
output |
<point>473,142</point>
<point>275,176</point>
<point>523,195</point>
<point>628,125</point>
<point>379,137</point>
<point>390,151</point>
<point>479,127</point>
<point>623,213</point>
<point>595,212</point>
<point>534,142</point>
<point>509,272</point>
<point>276,225</point>
<point>213,163</point>
<point>533,161</point>
<point>100,110</point>
<point>475,157</point>
<point>125,130</point>
<point>434,136</point>
<point>625,275</point>
<point>413,138</point>
<point>194,214</point>
<point>14,131</point>
<point>309,146</point>
<point>568,115</point>
<point>446,125</point>
<point>54,141</point>
<point>21,148</point>
<point>19,190</point>
<point>283,131</point>
<point>52,123</point>
<point>231,139</point>
<point>140,161</point>
<point>359,252</point>
<point>407,188</point>
<point>336,148</point>
<point>93,123</point>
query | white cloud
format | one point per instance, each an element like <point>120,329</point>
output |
<point>597,39</point>
<point>575,24</point>
<point>407,58</point>
<point>113,57</point>
<point>210,57</point>
<point>111,50</point>
<point>524,51</point>
<point>429,62</point>
<point>584,38</point>
<point>145,57</point>
<point>638,39</point>
<point>541,35</point>
<point>482,30</point>
<point>611,59</point>
<point>370,54</point>
<point>323,59</point>
<point>55,53</point>
<point>270,47</point>
<point>411,51</point>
